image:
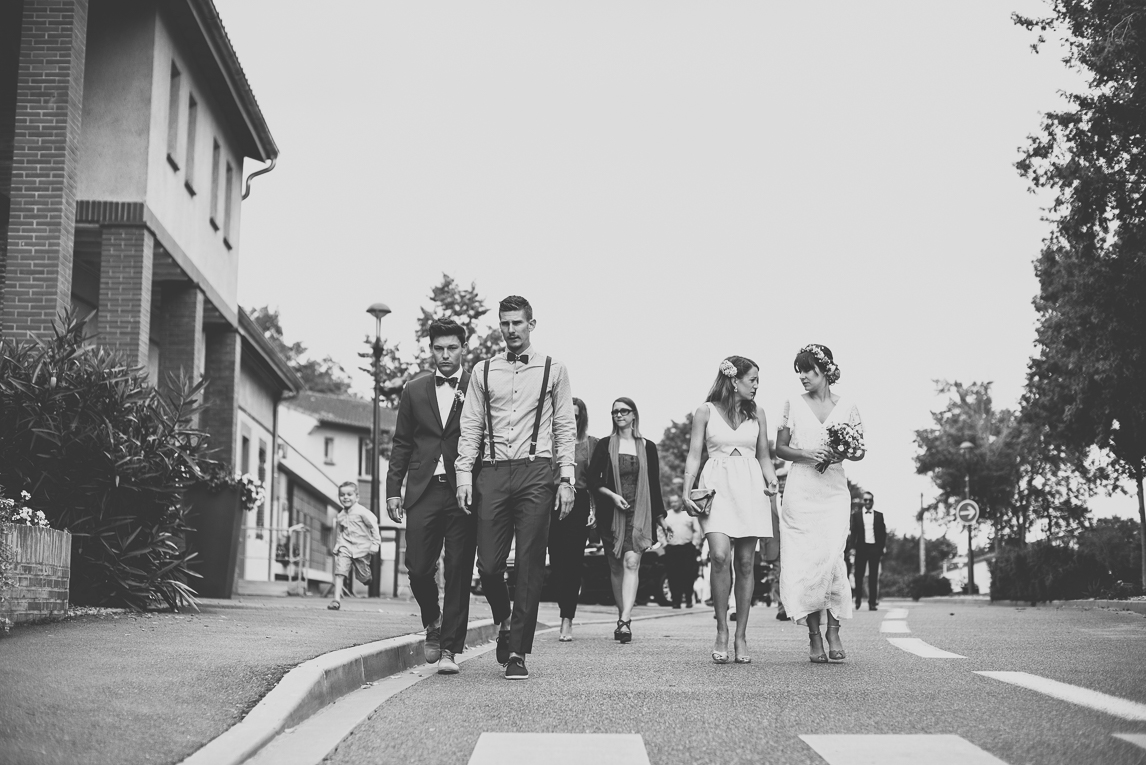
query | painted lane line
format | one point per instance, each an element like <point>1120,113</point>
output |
<point>896,613</point>
<point>560,748</point>
<point>920,648</point>
<point>1085,697</point>
<point>1138,739</point>
<point>893,627</point>
<point>908,749</point>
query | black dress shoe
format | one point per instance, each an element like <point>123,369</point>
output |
<point>503,647</point>
<point>432,648</point>
<point>872,608</point>
<point>515,669</point>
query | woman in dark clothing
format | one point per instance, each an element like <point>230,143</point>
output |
<point>629,509</point>
<point>567,537</point>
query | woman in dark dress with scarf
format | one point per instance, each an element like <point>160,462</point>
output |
<point>625,475</point>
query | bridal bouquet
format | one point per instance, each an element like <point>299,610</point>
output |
<point>843,439</point>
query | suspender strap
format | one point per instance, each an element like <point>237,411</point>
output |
<point>488,414</point>
<point>540,404</point>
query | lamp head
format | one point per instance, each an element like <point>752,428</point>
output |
<point>966,446</point>
<point>378,310</point>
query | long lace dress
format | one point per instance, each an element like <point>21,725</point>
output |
<point>815,519</point>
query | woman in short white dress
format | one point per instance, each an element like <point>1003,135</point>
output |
<point>740,470</point>
<point>816,511</point>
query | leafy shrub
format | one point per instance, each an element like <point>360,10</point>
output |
<point>1046,570</point>
<point>929,586</point>
<point>106,457</point>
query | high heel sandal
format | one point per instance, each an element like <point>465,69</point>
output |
<point>822,658</point>
<point>623,632</point>
<point>840,654</point>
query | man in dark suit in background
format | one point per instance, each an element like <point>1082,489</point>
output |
<point>424,451</point>
<point>868,539</point>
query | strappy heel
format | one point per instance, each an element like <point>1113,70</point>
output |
<point>624,632</point>
<point>839,655</point>
<point>822,658</point>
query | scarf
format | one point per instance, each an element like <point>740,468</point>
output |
<point>642,511</point>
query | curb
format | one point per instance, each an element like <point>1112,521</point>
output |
<point>313,685</point>
<point>1138,606</point>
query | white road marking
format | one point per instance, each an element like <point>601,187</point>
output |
<point>896,613</point>
<point>560,748</point>
<point>1085,697</point>
<point>1138,739</point>
<point>920,648</point>
<point>907,749</point>
<point>894,626</point>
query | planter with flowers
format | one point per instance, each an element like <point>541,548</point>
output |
<point>218,504</point>
<point>35,564</point>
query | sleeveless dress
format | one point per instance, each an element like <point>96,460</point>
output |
<point>815,519</point>
<point>740,507</point>
<point>630,471</point>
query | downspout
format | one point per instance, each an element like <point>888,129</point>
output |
<point>267,169</point>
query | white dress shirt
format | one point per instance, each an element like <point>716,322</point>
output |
<point>869,526</point>
<point>446,393</point>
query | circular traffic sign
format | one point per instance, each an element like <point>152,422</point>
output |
<point>967,511</point>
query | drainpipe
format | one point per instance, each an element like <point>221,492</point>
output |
<point>267,169</point>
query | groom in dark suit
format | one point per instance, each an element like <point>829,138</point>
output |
<point>869,539</point>
<point>424,451</point>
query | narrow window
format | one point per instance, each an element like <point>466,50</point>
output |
<point>365,464</point>
<point>230,182</point>
<point>328,450</point>
<point>189,162</point>
<point>260,514</point>
<point>214,184</point>
<point>245,455</point>
<point>173,117</point>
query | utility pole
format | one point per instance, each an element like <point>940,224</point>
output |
<point>922,542</point>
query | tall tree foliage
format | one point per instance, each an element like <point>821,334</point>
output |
<point>318,375</point>
<point>993,461</point>
<point>465,306</point>
<point>1084,385</point>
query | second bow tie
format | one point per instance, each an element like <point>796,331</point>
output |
<point>451,381</point>
<point>512,357</point>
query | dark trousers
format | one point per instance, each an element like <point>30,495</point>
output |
<point>516,500</point>
<point>567,553</point>
<point>431,522</point>
<point>867,556</point>
<point>680,560</point>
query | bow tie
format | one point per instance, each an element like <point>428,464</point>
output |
<point>867,512</point>
<point>451,381</point>
<point>512,357</point>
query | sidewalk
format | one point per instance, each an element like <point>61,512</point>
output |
<point>154,688</point>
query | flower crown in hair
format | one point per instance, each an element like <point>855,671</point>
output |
<point>831,369</point>
<point>727,368</point>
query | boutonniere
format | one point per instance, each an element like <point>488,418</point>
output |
<point>459,396</point>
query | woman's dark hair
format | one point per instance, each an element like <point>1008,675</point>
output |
<point>808,359</point>
<point>723,392</point>
<point>636,417</point>
<point>582,418</point>
<point>447,328</point>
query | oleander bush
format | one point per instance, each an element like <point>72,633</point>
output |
<point>107,457</point>
<point>929,586</point>
<point>1100,564</point>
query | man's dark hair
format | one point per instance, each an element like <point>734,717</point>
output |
<point>867,494</point>
<point>516,303</point>
<point>446,327</point>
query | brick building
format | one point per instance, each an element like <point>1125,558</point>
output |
<point>124,127</point>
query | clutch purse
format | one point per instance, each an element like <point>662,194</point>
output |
<point>702,498</point>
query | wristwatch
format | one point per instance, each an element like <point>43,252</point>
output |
<point>567,481</point>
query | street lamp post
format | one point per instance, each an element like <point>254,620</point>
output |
<point>378,310</point>
<point>966,448</point>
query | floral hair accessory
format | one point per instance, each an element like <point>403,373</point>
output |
<point>727,368</point>
<point>831,369</point>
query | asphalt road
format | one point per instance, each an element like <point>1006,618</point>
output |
<point>664,687</point>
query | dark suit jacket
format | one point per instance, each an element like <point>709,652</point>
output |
<point>420,439</point>
<point>878,529</point>
<point>601,474</point>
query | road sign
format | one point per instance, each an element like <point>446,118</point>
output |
<point>967,511</point>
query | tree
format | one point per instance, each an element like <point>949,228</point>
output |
<point>673,453</point>
<point>1084,383</point>
<point>466,307</point>
<point>992,463</point>
<point>319,376</point>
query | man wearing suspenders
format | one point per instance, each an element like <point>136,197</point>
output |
<point>518,419</point>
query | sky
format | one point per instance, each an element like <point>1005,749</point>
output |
<point>668,183</point>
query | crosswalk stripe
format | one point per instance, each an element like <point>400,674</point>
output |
<point>560,748</point>
<point>896,613</point>
<point>1138,739</point>
<point>893,626</point>
<point>1119,707</point>
<point>907,749</point>
<point>920,648</point>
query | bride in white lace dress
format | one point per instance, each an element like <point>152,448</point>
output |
<point>815,516</point>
